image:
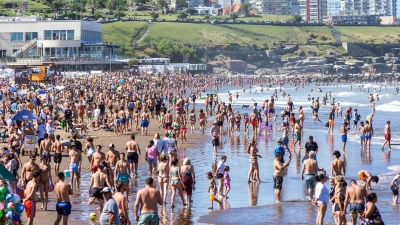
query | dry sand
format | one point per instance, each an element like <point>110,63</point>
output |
<point>105,138</point>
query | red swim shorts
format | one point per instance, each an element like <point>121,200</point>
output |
<point>30,208</point>
<point>387,137</point>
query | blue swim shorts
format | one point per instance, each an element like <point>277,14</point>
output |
<point>63,208</point>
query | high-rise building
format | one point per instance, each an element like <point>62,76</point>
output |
<point>278,7</point>
<point>333,7</point>
<point>313,10</point>
<point>368,7</point>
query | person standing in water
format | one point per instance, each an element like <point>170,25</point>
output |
<point>387,134</point>
<point>279,173</point>
<point>63,206</point>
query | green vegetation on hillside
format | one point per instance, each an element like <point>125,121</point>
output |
<point>124,33</point>
<point>369,34</point>
<point>261,35</point>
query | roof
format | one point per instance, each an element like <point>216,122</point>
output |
<point>230,9</point>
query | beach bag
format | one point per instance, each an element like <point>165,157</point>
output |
<point>63,124</point>
<point>327,124</point>
<point>67,173</point>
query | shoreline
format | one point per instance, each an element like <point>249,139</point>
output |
<point>105,138</point>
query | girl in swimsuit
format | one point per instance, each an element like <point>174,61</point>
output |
<point>89,148</point>
<point>163,177</point>
<point>192,118</point>
<point>183,130</point>
<point>45,181</point>
<point>254,169</point>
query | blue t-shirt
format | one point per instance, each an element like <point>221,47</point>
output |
<point>110,206</point>
<point>281,150</point>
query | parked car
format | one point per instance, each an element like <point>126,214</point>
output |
<point>160,20</point>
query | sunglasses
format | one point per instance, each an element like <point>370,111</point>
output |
<point>33,159</point>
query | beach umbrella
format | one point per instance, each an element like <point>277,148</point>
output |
<point>24,115</point>
<point>13,89</point>
<point>196,75</point>
<point>6,174</point>
<point>22,92</point>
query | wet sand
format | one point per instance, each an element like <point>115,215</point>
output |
<point>80,207</point>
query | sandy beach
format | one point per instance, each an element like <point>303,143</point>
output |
<point>105,138</point>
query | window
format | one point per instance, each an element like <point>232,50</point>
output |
<point>3,53</point>
<point>70,34</point>
<point>55,34</point>
<point>17,36</point>
<point>29,36</point>
<point>63,35</point>
<point>47,35</point>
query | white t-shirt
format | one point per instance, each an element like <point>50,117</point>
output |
<point>396,180</point>
<point>96,113</point>
<point>221,166</point>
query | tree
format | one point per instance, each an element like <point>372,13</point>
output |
<point>57,4</point>
<point>207,17</point>
<point>162,4</point>
<point>182,15</point>
<point>246,6</point>
<point>378,20</point>
<point>97,15</point>
<point>297,19</point>
<point>183,3</point>
<point>154,15</point>
<point>132,62</point>
<point>233,16</point>
<point>111,5</point>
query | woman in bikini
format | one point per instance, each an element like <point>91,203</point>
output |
<point>45,182</point>
<point>163,177</point>
<point>202,119</point>
<point>89,148</point>
<point>183,130</point>
<point>254,169</point>
<point>176,182</point>
<point>192,118</point>
<point>188,179</point>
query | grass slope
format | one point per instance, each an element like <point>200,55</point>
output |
<point>370,34</point>
<point>245,35</point>
<point>123,33</point>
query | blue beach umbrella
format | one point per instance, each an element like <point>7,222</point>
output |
<point>13,89</point>
<point>24,115</point>
<point>41,91</point>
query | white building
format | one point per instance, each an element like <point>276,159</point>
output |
<point>369,7</point>
<point>40,41</point>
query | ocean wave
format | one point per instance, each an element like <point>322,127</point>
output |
<point>352,104</point>
<point>393,106</point>
<point>346,94</point>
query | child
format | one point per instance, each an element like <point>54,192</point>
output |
<point>227,182</point>
<point>212,189</point>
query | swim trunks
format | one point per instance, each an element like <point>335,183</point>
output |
<point>122,120</point>
<point>63,208</point>
<point>362,137</point>
<point>215,141</point>
<point>74,167</point>
<point>297,136</point>
<point>285,140</point>
<point>310,181</point>
<point>133,157</point>
<point>30,208</point>
<point>278,181</point>
<point>57,157</point>
<point>123,177</point>
<point>144,123</point>
<point>150,218</point>
<point>95,193</point>
<point>387,137</point>
<point>356,208</point>
<point>368,136</point>
<point>395,190</point>
<point>344,138</point>
<point>116,122</point>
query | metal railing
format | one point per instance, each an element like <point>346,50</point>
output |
<point>25,47</point>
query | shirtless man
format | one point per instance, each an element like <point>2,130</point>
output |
<point>57,149</point>
<point>63,206</point>
<point>387,133</point>
<point>355,195</point>
<point>97,182</point>
<point>368,132</point>
<point>75,163</point>
<point>122,172</point>
<point>45,148</point>
<point>344,130</point>
<point>279,172</point>
<point>254,121</point>
<point>97,158</point>
<point>285,137</point>
<point>28,169</point>
<point>122,203</point>
<point>145,122</point>
<point>168,120</point>
<point>31,197</point>
<point>310,166</point>
<point>214,132</point>
<point>337,166</point>
<point>133,149</point>
<point>112,156</point>
<point>146,201</point>
<point>297,134</point>
<point>220,122</point>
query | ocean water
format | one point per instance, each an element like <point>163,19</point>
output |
<point>254,203</point>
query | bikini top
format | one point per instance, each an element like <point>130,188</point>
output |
<point>44,171</point>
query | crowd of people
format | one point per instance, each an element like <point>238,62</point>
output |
<point>124,106</point>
